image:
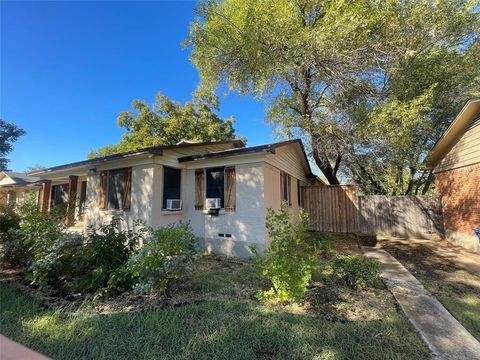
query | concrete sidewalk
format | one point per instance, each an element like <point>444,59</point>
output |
<point>10,350</point>
<point>444,335</point>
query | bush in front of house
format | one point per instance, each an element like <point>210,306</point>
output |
<point>12,248</point>
<point>107,251</point>
<point>165,257</point>
<point>39,230</point>
<point>291,257</point>
<point>355,271</point>
<point>62,264</point>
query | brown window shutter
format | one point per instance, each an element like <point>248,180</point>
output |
<point>230,189</point>
<point>199,178</point>
<point>127,195</point>
<point>103,190</point>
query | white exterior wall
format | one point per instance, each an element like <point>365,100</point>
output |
<point>246,224</point>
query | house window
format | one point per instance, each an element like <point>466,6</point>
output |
<point>299,193</point>
<point>59,195</point>
<point>285,181</point>
<point>116,189</point>
<point>172,179</point>
<point>215,184</point>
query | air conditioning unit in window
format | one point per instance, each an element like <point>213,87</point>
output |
<point>174,204</point>
<point>213,203</point>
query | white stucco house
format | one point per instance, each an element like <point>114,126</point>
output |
<point>146,184</point>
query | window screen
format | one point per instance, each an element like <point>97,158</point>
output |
<point>171,184</point>
<point>215,184</point>
<point>116,188</point>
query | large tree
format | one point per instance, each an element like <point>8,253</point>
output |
<point>167,122</point>
<point>343,75</point>
<point>9,133</point>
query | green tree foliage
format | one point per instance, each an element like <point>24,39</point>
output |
<point>369,85</point>
<point>290,258</point>
<point>167,122</point>
<point>9,133</point>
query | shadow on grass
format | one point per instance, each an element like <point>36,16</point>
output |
<point>216,329</point>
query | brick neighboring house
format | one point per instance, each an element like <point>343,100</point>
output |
<point>455,160</point>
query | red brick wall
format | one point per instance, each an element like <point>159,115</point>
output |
<point>460,190</point>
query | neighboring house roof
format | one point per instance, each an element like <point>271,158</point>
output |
<point>154,150</point>
<point>9,179</point>
<point>465,118</point>
<point>250,150</point>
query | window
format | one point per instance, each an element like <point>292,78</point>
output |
<point>215,184</point>
<point>116,189</point>
<point>59,195</point>
<point>172,179</point>
<point>299,193</point>
<point>285,182</point>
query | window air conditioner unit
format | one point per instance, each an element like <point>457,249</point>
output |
<point>213,203</point>
<point>174,204</point>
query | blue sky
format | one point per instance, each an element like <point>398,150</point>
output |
<point>68,68</point>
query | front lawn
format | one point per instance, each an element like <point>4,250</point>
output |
<point>213,314</point>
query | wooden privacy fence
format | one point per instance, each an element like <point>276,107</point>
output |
<point>340,209</point>
<point>332,208</point>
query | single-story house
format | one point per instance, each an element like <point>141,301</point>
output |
<point>222,188</point>
<point>16,187</point>
<point>455,160</point>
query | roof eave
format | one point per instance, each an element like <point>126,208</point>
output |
<point>467,114</point>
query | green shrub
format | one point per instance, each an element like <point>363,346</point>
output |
<point>289,260</point>
<point>107,251</point>
<point>9,219</point>
<point>39,230</point>
<point>165,257</point>
<point>63,263</point>
<point>12,249</point>
<point>355,271</point>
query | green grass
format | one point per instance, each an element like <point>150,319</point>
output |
<point>223,329</point>
<point>466,309</point>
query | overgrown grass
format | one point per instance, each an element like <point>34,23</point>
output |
<point>466,308</point>
<point>212,330</point>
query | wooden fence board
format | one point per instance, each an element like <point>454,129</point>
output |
<point>340,209</point>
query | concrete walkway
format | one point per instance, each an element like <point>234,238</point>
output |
<point>444,335</point>
<point>11,350</point>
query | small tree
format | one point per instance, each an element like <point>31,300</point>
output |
<point>290,258</point>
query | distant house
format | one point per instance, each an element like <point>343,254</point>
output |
<point>223,189</point>
<point>455,160</point>
<point>15,187</point>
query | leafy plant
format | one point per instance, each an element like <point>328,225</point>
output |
<point>9,219</point>
<point>165,257</point>
<point>12,249</point>
<point>107,251</point>
<point>355,271</point>
<point>290,258</point>
<point>40,230</point>
<point>64,262</point>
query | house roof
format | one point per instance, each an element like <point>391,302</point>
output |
<point>250,150</point>
<point>466,116</point>
<point>238,148</point>
<point>154,150</point>
<point>18,179</point>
